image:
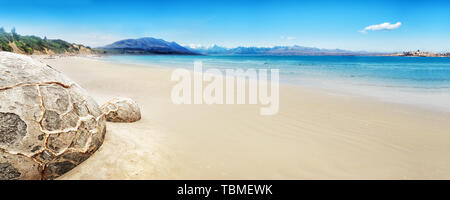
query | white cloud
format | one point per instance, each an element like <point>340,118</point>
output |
<point>383,26</point>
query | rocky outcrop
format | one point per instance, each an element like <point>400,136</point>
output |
<point>48,124</point>
<point>121,109</point>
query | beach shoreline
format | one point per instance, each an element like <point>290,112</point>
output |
<point>315,135</point>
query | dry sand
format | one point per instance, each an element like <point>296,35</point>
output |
<point>316,135</point>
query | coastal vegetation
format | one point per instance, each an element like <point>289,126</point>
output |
<point>14,42</point>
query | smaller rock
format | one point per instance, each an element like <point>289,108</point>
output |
<point>121,109</point>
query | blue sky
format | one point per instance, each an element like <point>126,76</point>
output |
<point>424,25</point>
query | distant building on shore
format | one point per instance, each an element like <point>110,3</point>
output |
<point>419,53</point>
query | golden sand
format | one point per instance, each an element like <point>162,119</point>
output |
<point>315,135</point>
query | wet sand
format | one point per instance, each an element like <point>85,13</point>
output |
<point>315,135</point>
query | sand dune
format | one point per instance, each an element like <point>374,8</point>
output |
<point>316,135</point>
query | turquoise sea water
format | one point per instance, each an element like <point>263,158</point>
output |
<point>413,80</point>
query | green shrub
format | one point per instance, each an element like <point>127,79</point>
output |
<point>29,44</point>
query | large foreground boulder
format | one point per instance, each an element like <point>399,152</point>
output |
<point>48,124</point>
<point>121,109</point>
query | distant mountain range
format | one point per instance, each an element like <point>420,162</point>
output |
<point>277,50</point>
<point>146,45</point>
<point>209,50</point>
<point>14,42</point>
<point>150,45</point>
<point>35,45</point>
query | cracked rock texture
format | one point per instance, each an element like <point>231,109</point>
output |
<point>48,124</point>
<point>121,109</point>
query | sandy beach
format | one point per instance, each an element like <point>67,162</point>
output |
<point>315,135</point>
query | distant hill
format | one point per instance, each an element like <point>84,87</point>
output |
<point>146,45</point>
<point>277,50</point>
<point>16,43</point>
